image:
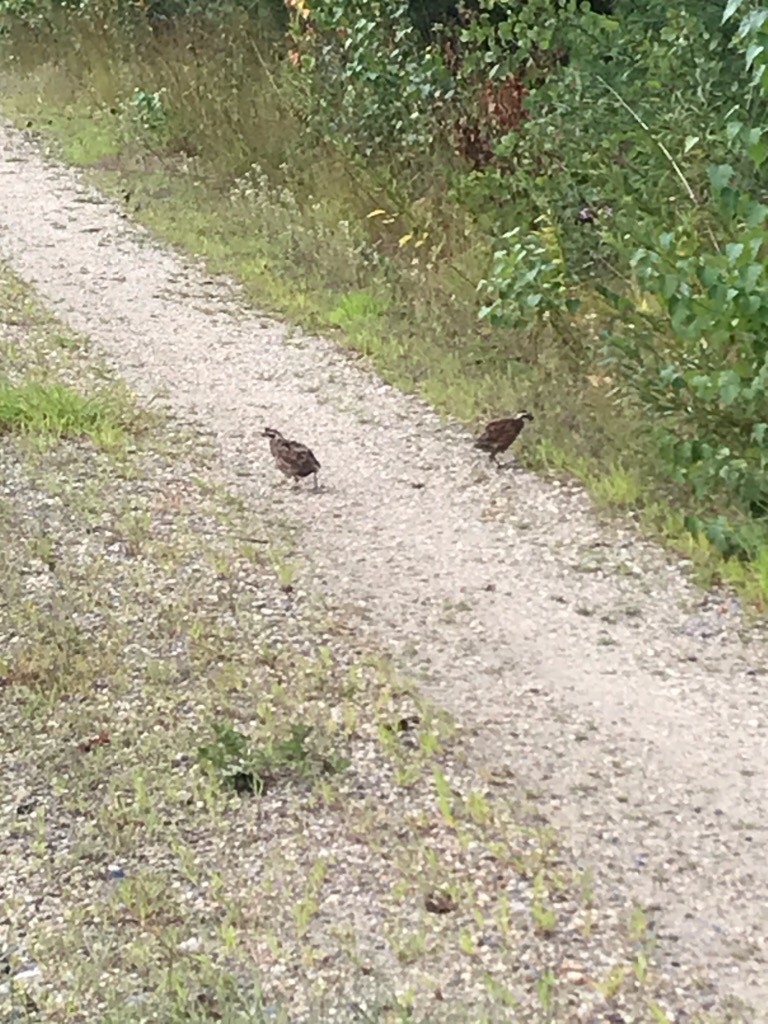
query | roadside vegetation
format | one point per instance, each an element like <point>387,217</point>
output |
<point>551,205</point>
<point>216,805</point>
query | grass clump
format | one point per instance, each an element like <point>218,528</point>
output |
<point>56,410</point>
<point>43,398</point>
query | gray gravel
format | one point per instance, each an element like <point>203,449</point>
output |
<point>629,705</point>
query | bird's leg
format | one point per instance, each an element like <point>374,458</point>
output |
<point>314,477</point>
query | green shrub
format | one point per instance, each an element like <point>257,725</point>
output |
<point>371,83</point>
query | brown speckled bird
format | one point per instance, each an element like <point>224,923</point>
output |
<point>500,434</point>
<point>291,457</point>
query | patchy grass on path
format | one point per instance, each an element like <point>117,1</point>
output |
<point>215,806</point>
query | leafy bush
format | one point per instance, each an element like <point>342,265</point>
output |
<point>372,84</point>
<point>526,280</point>
<point>699,360</point>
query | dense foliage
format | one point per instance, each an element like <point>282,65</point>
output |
<point>610,155</point>
<point>612,147</point>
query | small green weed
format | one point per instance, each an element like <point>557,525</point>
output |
<point>247,767</point>
<point>546,988</point>
<point>230,757</point>
<point>617,487</point>
<point>286,569</point>
<point>67,341</point>
<point>610,986</point>
<point>149,111</point>
<point>544,918</point>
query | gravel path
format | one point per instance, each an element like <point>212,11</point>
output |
<point>629,706</point>
<point>146,616</point>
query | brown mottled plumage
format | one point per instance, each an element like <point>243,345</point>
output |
<point>500,434</point>
<point>292,458</point>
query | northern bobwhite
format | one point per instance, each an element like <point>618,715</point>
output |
<point>500,434</point>
<point>292,458</point>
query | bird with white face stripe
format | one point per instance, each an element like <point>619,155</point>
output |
<point>500,434</point>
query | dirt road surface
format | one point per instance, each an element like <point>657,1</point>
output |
<point>631,707</point>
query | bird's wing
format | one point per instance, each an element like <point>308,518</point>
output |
<point>493,431</point>
<point>301,453</point>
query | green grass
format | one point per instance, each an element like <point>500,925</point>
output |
<point>59,411</point>
<point>43,399</point>
<point>228,175</point>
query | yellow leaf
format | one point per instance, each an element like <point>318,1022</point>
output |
<point>405,239</point>
<point>377,213</point>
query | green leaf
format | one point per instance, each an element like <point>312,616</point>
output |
<point>730,9</point>
<point>752,23</point>
<point>692,525</point>
<point>701,384</point>
<point>732,130</point>
<point>708,275</point>
<point>719,177</point>
<point>753,52</point>
<point>669,285</point>
<point>758,151</point>
<point>730,387</point>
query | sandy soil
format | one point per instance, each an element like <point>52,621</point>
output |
<point>630,706</point>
